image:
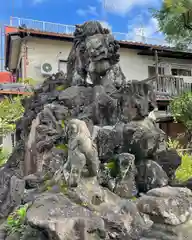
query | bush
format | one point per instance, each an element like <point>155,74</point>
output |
<point>181,109</point>
<point>174,144</point>
<point>3,156</point>
<point>184,171</point>
<point>16,220</point>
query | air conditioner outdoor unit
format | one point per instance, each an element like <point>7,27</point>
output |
<point>47,68</point>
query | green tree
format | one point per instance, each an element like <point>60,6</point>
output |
<point>181,109</point>
<point>175,21</point>
<point>10,111</point>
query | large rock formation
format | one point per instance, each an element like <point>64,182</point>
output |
<point>90,163</point>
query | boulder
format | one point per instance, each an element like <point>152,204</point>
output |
<point>169,160</point>
<point>150,175</point>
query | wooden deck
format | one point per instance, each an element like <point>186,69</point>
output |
<point>167,87</point>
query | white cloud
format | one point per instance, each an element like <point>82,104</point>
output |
<point>148,32</point>
<point>106,25</point>
<point>121,7</point>
<point>91,10</point>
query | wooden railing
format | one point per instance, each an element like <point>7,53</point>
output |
<point>169,85</point>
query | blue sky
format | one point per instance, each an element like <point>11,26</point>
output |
<point>121,15</point>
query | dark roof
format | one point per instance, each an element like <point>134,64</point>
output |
<point>147,49</point>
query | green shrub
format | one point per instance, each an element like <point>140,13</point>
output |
<point>174,144</point>
<point>184,171</point>
<point>16,220</point>
<point>181,109</point>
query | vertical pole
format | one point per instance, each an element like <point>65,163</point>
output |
<point>156,68</point>
<point>156,64</point>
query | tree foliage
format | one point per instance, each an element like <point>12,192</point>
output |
<point>175,21</point>
<point>181,108</point>
<point>10,111</point>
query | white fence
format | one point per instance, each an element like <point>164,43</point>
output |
<point>69,29</point>
<point>42,26</point>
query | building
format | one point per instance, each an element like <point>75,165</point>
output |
<point>38,49</point>
<point>28,49</point>
<point>6,77</point>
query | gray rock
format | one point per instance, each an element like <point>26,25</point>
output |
<point>61,219</point>
<point>142,138</point>
<point>125,181</point>
<point>11,195</point>
<point>161,231</point>
<point>109,141</point>
<point>124,221</point>
<point>14,236</point>
<point>150,175</point>
<point>76,96</point>
<point>33,234</point>
<point>167,205</point>
<point>169,160</point>
<point>3,232</point>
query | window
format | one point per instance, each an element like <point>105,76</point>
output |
<point>152,71</point>
<point>180,72</point>
<point>62,66</point>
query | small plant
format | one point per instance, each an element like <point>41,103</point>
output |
<point>174,144</point>
<point>134,198</point>
<point>60,88</point>
<point>184,171</point>
<point>62,123</point>
<point>63,147</point>
<point>63,187</point>
<point>112,167</point>
<point>16,220</point>
<point>3,156</point>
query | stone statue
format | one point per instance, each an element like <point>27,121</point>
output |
<point>94,56</point>
<point>125,186</point>
<point>82,152</point>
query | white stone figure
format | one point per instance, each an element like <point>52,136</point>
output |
<point>81,151</point>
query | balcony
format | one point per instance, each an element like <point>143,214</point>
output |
<point>167,87</point>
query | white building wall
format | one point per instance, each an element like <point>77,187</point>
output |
<point>45,50</point>
<point>7,143</point>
